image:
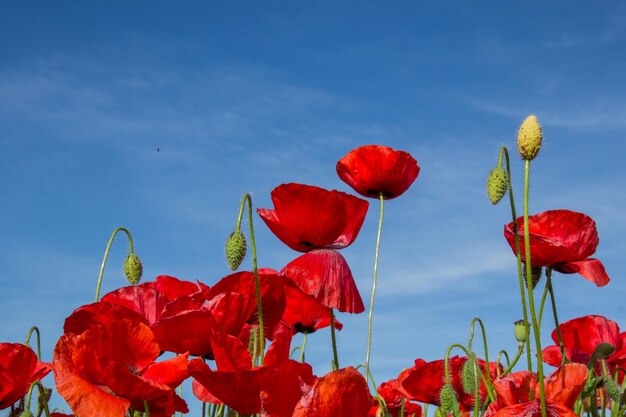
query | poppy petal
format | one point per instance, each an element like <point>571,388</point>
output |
<point>591,269</point>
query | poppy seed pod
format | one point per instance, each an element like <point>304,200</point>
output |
<point>133,269</point>
<point>235,249</point>
<point>529,138</point>
<point>521,331</point>
<point>497,184</point>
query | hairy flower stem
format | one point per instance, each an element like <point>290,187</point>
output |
<point>485,347</point>
<point>304,337</point>
<point>106,256</point>
<point>333,339</point>
<point>505,152</point>
<point>27,342</point>
<point>555,314</point>
<point>42,394</point>
<point>529,284</point>
<point>371,311</point>
<point>248,198</point>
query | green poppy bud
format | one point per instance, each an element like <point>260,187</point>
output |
<point>612,389</point>
<point>529,138</point>
<point>521,332</point>
<point>467,376</point>
<point>603,350</point>
<point>590,387</point>
<point>133,269</point>
<point>497,184</point>
<point>235,249</point>
<point>447,398</point>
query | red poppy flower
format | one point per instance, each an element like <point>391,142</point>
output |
<point>392,394</point>
<point>107,367</point>
<point>325,275</point>
<point>142,299</point>
<point>307,217</point>
<point>341,393</point>
<point>562,388</point>
<point>562,240</point>
<point>581,336</point>
<point>98,313</point>
<point>302,312</point>
<point>373,169</point>
<point>424,381</point>
<point>283,391</point>
<point>19,368</point>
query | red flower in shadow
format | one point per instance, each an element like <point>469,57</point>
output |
<point>562,388</point>
<point>19,368</point>
<point>562,240</point>
<point>581,336</point>
<point>307,217</point>
<point>374,169</point>
<point>393,395</point>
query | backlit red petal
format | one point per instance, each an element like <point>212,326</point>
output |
<point>591,269</point>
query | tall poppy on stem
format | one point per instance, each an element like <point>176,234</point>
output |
<point>316,221</point>
<point>563,240</point>
<point>377,172</point>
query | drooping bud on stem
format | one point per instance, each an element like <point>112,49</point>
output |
<point>447,398</point>
<point>235,249</point>
<point>133,268</point>
<point>497,184</point>
<point>529,138</point>
<point>468,376</point>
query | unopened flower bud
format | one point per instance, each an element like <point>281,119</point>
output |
<point>612,389</point>
<point>603,350</point>
<point>522,329</point>
<point>529,138</point>
<point>497,184</point>
<point>447,398</point>
<point>590,387</point>
<point>467,376</point>
<point>235,249</point>
<point>133,269</point>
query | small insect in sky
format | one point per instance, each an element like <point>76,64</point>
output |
<point>158,149</point>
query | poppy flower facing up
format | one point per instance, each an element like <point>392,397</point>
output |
<point>108,367</point>
<point>424,381</point>
<point>562,388</point>
<point>19,368</point>
<point>562,240</point>
<point>581,336</point>
<point>374,169</point>
<point>307,217</point>
<point>341,393</point>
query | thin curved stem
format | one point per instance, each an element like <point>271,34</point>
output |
<point>106,256</point>
<point>371,310</point>
<point>27,342</point>
<point>485,347</point>
<point>42,394</point>
<point>515,360</point>
<point>304,337</point>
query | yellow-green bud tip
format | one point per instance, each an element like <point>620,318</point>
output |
<point>529,138</point>
<point>235,249</point>
<point>497,184</point>
<point>133,269</point>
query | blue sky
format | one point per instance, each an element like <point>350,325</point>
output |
<point>244,96</point>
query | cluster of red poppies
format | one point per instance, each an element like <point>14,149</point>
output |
<point>106,363</point>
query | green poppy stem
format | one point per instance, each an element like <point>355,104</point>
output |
<point>531,298</point>
<point>555,314</point>
<point>247,198</point>
<point>304,337</point>
<point>520,274</point>
<point>371,311</point>
<point>333,339</point>
<point>42,395</point>
<point>106,256</point>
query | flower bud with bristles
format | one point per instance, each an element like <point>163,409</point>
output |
<point>529,138</point>
<point>447,398</point>
<point>468,377</point>
<point>612,389</point>
<point>133,269</point>
<point>497,184</point>
<point>235,249</point>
